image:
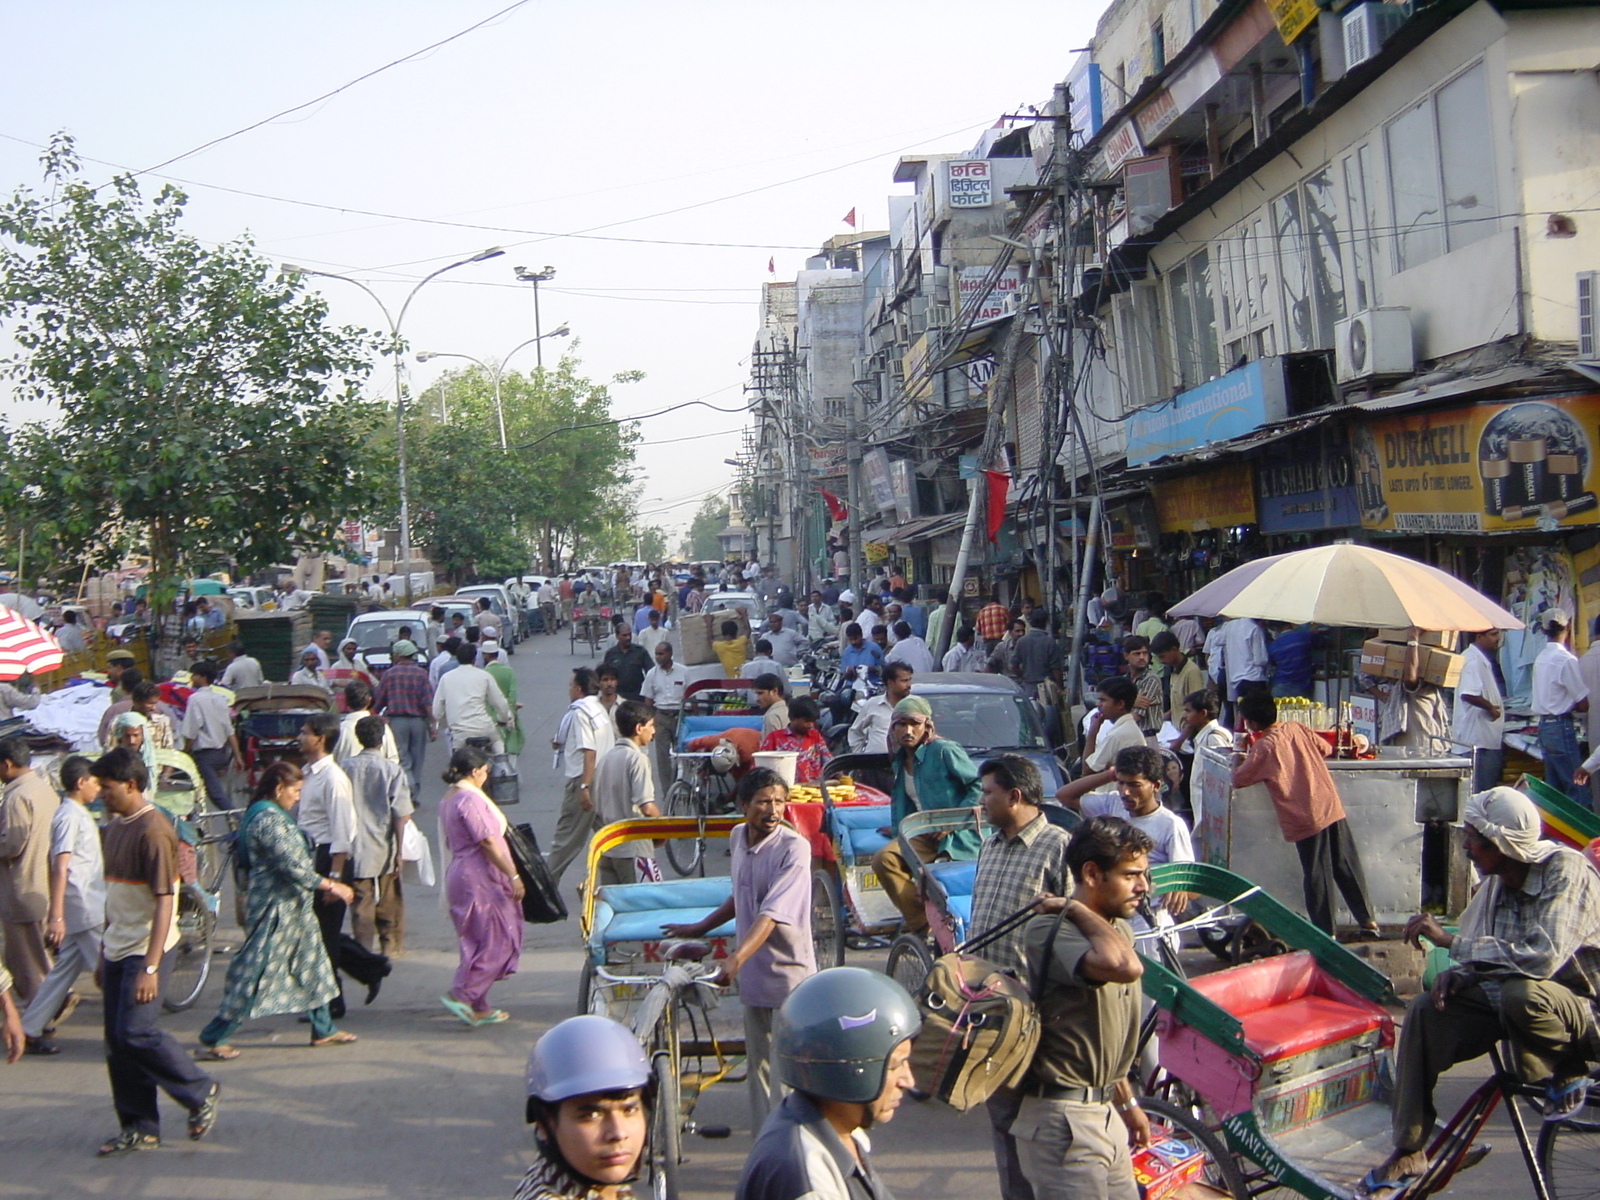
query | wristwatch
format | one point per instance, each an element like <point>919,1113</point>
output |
<point>149,970</point>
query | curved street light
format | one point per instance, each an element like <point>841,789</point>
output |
<point>496,372</point>
<point>395,323</point>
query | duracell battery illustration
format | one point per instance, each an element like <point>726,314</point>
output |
<point>1533,460</point>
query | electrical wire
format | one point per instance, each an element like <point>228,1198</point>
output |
<point>624,420</point>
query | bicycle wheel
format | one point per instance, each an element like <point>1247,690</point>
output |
<point>827,920</point>
<point>910,960</point>
<point>1220,1170</point>
<point>191,962</point>
<point>687,855</point>
<point>1568,1151</point>
<point>666,1130</point>
<point>572,637</point>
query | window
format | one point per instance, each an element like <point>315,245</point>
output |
<point>1158,48</point>
<point>1305,226</point>
<point>1362,263</point>
<point>1248,287</point>
<point>1194,320</point>
<point>834,408</point>
<point>1441,172</point>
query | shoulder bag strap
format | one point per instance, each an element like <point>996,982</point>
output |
<point>1042,972</point>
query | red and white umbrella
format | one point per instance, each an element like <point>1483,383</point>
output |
<point>25,649</point>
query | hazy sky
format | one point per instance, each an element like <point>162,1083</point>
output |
<point>554,119</point>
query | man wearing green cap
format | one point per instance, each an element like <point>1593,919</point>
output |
<point>929,772</point>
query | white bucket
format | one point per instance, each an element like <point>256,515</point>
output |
<point>781,761</point>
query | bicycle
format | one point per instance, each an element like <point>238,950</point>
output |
<point>697,791</point>
<point>198,904</point>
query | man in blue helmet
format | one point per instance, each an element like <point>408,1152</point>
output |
<point>588,1101</point>
<point>842,1041</point>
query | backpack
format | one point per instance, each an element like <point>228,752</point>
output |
<point>980,1027</point>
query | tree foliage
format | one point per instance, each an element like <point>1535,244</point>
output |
<point>556,493</point>
<point>205,408</point>
<point>710,520</point>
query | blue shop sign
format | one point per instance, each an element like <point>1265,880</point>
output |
<point>1309,485</point>
<point>1235,404</point>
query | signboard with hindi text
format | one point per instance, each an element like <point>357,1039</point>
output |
<point>1216,499</point>
<point>970,183</point>
<point>1485,468</point>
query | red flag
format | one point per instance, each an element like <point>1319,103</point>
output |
<point>772,266</point>
<point>850,218</point>
<point>836,509</point>
<point>998,484</point>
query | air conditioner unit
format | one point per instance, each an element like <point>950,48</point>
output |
<point>1366,28</point>
<point>1375,342</point>
<point>1588,334</point>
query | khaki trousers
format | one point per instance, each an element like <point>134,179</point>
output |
<point>574,827</point>
<point>1549,1027</point>
<point>1074,1151</point>
<point>895,877</point>
<point>27,958</point>
<point>379,912</point>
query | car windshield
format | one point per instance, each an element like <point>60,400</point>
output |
<point>495,603</point>
<point>985,720</point>
<point>379,635</point>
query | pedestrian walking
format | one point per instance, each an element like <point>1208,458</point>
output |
<point>283,965</point>
<point>1559,695</point>
<point>498,670</point>
<point>771,910</point>
<point>624,788</point>
<point>383,807</point>
<point>468,703</point>
<point>1478,724</point>
<point>584,734</point>
<point>842,1041</point>
<point>141,865</point>
<point>326,815</point>
<point>208,734</point>
<point>631,662</point>
<point>1079,1115</point>
<point>663,688</point>
<point>27,805</point>
<point>77,904</point>
<point>482,888</point>
<point>405,699</point>
<point>357,705</point>
<point>243,670</point>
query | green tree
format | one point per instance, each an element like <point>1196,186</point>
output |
<point>205,407</point>
<point>558,492</point>
<point>651,543</point>
<point>710,520</point>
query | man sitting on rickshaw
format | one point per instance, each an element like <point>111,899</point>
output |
<point>929,772</point>
<point>1525,966</point>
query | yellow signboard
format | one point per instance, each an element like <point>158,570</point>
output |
<point>875,552</point>
<point>1292,17</point>
<point>1216,499</point>
<point>1490,468</point>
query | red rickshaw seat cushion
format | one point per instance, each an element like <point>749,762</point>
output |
<point>1288,1006</point>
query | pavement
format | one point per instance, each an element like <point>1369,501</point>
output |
<point>425,1108</point>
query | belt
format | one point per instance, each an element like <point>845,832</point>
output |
<point>1566,716</point>
<point>1083,1095</point>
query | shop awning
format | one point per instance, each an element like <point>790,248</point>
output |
<point>1242,445</point>
<point>1466,385</point>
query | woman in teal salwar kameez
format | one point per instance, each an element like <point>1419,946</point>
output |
<point>282,967</point>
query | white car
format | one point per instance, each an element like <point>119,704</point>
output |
<point>376,632</point>
<point>502,604</point>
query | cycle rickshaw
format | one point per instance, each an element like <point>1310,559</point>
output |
<point>634,974</point>
<point>848,905</point>
<point>700,788</point>
<point>268,720</point>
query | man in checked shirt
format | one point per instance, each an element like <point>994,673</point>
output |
<point>1024,858</point>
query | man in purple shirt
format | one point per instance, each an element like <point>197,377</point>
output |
<point>771,907</point>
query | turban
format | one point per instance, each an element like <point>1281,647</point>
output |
<point>1511,821</point>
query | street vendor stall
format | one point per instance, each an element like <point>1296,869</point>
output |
<point>1390,795</point>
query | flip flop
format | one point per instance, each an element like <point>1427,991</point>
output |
<point>339,1037</point>
<point>1371,1185</point>
<point>493,1018</point>
<point>220,1053</point>
<point>1562,1103</point>
<point>461,1010</point>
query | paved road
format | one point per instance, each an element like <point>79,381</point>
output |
<point>423,1108</point>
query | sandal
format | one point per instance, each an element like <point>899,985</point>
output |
<point>1562,1103</point>
<point>339,1037</point>
<point>492,1018</point>
<point>218,1053</point>
<point>203,1118</point>
<point>463,1012</point>
<point>128,1141</point>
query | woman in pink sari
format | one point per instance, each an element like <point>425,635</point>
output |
<point>482,886</point>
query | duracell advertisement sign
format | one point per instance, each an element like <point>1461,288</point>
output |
<point>1489,468</point>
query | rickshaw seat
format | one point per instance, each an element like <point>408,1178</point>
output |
<point>855,828</point>
<point>1288,1006</point>
<point>635,912</point>
<point>954,880</point>
<point>690,728</point>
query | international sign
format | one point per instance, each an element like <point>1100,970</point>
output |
<point>970,183</point>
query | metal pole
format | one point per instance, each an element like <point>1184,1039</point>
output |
<point>1080,618</point>
<point>400,452</point>
<point>538,346</point>
<point>499,411</point>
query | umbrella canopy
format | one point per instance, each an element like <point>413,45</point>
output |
<point>25,649</point>
<point>1345,585</point>
<point>26,605</point>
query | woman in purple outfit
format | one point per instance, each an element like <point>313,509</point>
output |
<point>482,886</point>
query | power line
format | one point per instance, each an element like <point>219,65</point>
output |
<point>217,141</point>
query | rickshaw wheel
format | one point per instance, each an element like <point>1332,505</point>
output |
<point>666,1131</point>
<point>827,920</point>
<point>588,995</point>
<point>685,854</point>
<point>1566,1151</point>
<point>1220,1170</point>
<point>192,955</point>
<point>910,960</point>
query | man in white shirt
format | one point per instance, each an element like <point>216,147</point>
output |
<point>208,735</point>
<point>326,814</point>
<point>1112,727</point>
<point>321,642</point>
<point>469,703</point>
<point>869,732</point>
<point>69,637</point>
<point>1478,725</point>
<point>1244,655</point>
<point>785,643</point>
<point>663,688</point>
<point>242,670</point>
<point>910,649</point>
<point>652,635</point>
<point>821,620</point>
<point>1559,694</point>
<point>585,733</point>
<point>965,654</point>
<point>763,663</point>
<point>443,660</point>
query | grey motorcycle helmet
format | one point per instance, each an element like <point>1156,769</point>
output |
<point>833,1035</point>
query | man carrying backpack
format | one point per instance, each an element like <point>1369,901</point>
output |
<point>1023,859</point>
<point>1078,1114</point>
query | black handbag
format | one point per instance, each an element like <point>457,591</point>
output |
<point>541,899</point>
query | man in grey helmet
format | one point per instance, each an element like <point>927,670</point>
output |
<point>842,1041</point>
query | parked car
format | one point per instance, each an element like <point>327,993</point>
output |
<point>252,599</point>
<point>748,601</point>
<point>376,632</point>
<point>987,715</point>
<point>502,604</point>
<point>467,606</point>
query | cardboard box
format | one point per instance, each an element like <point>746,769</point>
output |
<point>1441,667</point>
<point>1443,639</point>
<point>696,632</point>
<point>1384,659</point>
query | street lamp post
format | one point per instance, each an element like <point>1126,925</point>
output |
<point>496,372</point>
<point>536,278</point>
<point>395,323</point>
